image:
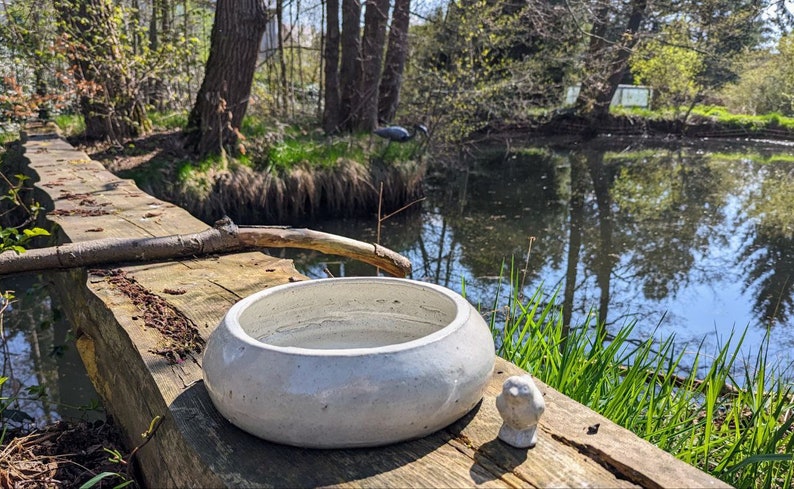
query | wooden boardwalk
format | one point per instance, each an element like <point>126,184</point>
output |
<point>116,321</point>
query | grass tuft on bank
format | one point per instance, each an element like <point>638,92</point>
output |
<point>739,429</point>
<point>712,113</point>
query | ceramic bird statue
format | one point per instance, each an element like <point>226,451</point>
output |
<point>520,405</point>
<point>400,134</point>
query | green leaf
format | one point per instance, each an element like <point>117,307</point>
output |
<point>36,232</point>
<point>94,480</point>
<point>763,457</point>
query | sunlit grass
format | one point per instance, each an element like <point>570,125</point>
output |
<point>739,430</point>
<point>168,120</point>
<point>717,114</point>
<point>70,124</point>
<point>320,154</point>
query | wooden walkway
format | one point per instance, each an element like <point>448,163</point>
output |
<point>116,318</point>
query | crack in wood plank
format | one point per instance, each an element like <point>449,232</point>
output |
<point>618,469</point>
<point>218,284</point>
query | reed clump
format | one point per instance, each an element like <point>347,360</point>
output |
<point>735,426</point>
<point>289,176</point>
<point>300,193</point>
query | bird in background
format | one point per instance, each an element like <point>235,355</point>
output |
<point>400,134</point>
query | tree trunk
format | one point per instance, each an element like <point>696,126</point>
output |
<point>396,53</point>
<point>620,63</point>
<point>372,45</point>
<point>607,61</point>
<point>282,64</point>
<point>331,109</point>
<point>110,103</point>
<point>350,68</point>
<point>222,100</point>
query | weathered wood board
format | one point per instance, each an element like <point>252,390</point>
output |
<point>195,447</point>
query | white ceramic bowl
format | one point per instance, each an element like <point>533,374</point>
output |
<point>348,362</point>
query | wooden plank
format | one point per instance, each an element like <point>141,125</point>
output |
<point>195,447</point>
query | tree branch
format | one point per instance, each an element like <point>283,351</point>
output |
<point>224,237</point>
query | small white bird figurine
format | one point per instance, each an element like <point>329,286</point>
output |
<point>520,405</point>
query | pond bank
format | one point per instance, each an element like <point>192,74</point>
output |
<point>575,129</point>
<point>249,195</point>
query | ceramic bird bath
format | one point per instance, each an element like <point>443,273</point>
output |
<point>348,362</point>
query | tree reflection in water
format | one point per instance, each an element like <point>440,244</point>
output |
<point>695,243</point>
<point>46,378</point>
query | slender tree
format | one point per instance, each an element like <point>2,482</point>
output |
<point>350,67</point>
<point>372,44</point>
<point>394,65</point>
<point>214,122</point>
<point>332,102</point>
<point>612,36</point>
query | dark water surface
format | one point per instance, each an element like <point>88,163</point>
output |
<point>692,241</point>
<point>46,380</point>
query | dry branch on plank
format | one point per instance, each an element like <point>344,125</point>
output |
<point>224,237</point>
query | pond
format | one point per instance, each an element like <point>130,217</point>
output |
<point>46,379</point>
<point>688,241</point>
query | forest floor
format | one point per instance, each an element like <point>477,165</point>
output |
<point>63,455</point>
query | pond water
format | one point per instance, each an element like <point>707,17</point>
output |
<point>46,379</point>
<point>693,242</point>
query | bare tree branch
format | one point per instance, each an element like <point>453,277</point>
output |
<point>225,237</point>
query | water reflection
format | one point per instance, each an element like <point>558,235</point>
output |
<point>684,241</point>
<point>46,378</point>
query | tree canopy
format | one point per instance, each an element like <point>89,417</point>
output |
<point>351,66</point>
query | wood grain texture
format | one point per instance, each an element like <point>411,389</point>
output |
<point>195,447</point>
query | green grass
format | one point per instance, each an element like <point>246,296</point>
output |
<point>718,114</point>
<point>6,136</point>
<point>168,120</point>
<point>70,124</point>
<point>742,434</point>
<point>318,153</point>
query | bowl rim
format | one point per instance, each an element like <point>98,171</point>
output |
<point>231,319</point>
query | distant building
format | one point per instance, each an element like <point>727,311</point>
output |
<point>625,96</point>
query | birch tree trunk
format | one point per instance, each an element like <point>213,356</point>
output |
<point>225,237</point>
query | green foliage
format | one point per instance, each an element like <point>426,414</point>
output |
<point>105,475</point>
<point>117,458</point>
<point>669,65</point>
<point>319,154</point>
<point>16,238</point>
<point>741,433</point>
<point>766,83</point>
<point>483,61</point>
<point>70,124</point>
<point>718,114</point>
<point>168,120</point>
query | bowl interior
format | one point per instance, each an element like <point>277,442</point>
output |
<point>337,314</point>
